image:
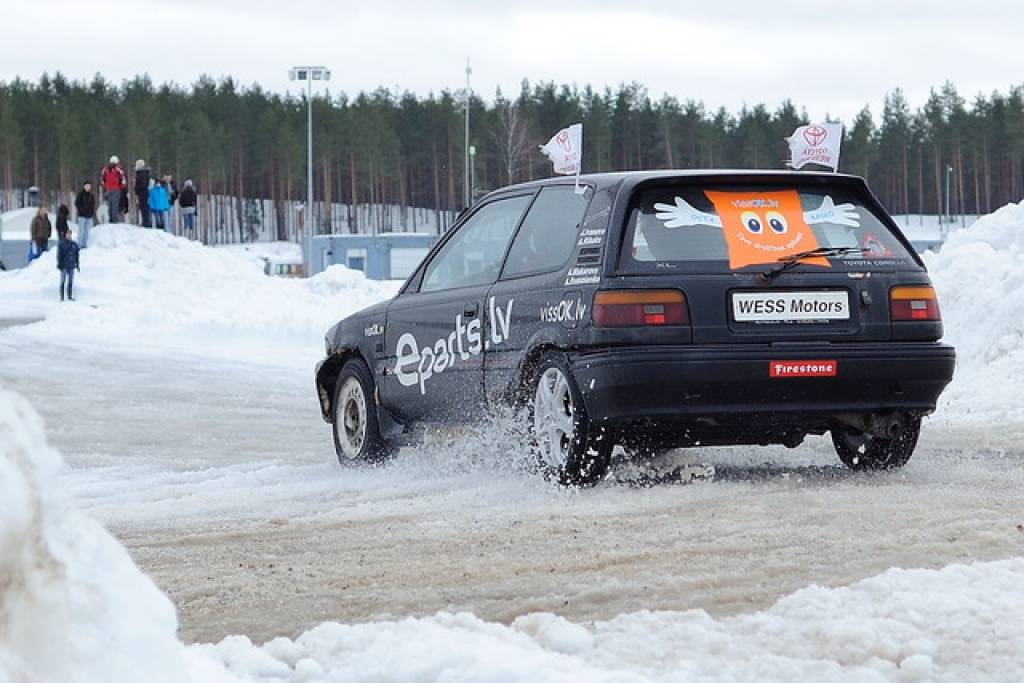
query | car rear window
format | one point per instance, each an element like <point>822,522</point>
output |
<point>708,228</point>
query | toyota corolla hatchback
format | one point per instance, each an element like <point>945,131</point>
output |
<point>654,310</point>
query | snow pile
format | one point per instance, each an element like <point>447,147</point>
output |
<point>979,275</point>
<point>153,291</point>
<point>958,623</point>
<point>276,252</point>
<point>73,605</point>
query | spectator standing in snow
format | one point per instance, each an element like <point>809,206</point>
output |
<point>172,197</point>
<point>41,230</point>
<point>113,182</point>
<point>172,189</point>
<point>85,208</point>
<point>62,221</point>
<point>67,263</point>
<point>158,204</point>
<point>188,201</point>
<point>142,177</point>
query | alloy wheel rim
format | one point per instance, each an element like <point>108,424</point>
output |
<point>350,418</point>
<point>554,422</point>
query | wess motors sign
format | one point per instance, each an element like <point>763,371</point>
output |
<point>790,306</point>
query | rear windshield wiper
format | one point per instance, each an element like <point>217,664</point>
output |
<point>793,260</point>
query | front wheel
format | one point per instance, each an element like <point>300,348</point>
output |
<point>567,447</point>
<point>862,451</point>
<point>356,431</point>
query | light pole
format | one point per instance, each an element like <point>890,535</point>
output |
<point>469,94</point>
<point>472,173</point>
<point>309,74</point>
<point>949,172</point>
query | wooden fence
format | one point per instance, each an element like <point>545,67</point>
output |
<point>230,220</point>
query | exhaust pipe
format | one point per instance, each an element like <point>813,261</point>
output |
<point>880,425</point>
<point>886,425</point>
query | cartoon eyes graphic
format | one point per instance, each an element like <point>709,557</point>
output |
<point>755,224</point>
<point>777,222</point>
<point>752,222</point>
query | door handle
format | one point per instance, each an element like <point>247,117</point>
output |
<point>470,310</point>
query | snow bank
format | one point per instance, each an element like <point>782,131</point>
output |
<point>958,623</point>
<point>276,252</point>
<point>73,606</point>
<point>979,275</point>
<point>157,292</point>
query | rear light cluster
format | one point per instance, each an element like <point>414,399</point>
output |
<point>916,303</point>
<point>640,308</point>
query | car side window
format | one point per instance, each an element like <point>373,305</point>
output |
<point>473,255</point>
<point>548,235</point>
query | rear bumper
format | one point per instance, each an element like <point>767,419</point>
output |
<point>685,383</point>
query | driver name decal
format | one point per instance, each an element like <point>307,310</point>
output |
<point>414,365</point>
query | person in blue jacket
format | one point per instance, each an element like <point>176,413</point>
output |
<point>159,203</point>
<point>67,262</point>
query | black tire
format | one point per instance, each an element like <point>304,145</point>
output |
<point>864,452</point>
<point>356,430</point>
<point>583,457</point>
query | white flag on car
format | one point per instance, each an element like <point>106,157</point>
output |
<point>817,143</point>
<point>565,150</point>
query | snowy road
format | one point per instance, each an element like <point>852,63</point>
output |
<point>221,481</point>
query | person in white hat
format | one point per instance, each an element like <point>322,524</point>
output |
<point>142,177</point>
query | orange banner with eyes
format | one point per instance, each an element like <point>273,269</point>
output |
<point>762,227</point>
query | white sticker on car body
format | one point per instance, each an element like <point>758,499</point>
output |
<point>565,311</point>
<point>682,213</point>
<point>414,365</point>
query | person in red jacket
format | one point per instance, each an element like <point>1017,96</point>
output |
<point>113,182</point>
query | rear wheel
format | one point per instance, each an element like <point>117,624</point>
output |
<point>566,446</point>
<point>862,451</point>
<point>356,431</point>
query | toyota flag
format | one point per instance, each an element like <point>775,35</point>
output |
<point>565,150</point>
<point>817,143</point>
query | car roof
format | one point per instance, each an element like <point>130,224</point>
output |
<point>633,178</point>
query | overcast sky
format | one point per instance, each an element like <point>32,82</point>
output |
<point>830,57</point>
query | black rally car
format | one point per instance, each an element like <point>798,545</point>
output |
<point>655,310</point>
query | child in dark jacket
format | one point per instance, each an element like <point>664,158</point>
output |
<point>67,262</point>
<point>62,220</point>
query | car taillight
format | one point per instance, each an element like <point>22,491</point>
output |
<point>914,303</point>
<point>640,307</point>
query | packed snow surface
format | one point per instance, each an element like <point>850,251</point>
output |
<point>76,608</point>
<point>73,606</point>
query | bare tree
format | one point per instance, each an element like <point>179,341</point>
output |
<point>510,136</point>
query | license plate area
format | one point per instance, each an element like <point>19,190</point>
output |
<point>791,307</point>
<point>784,369</point>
